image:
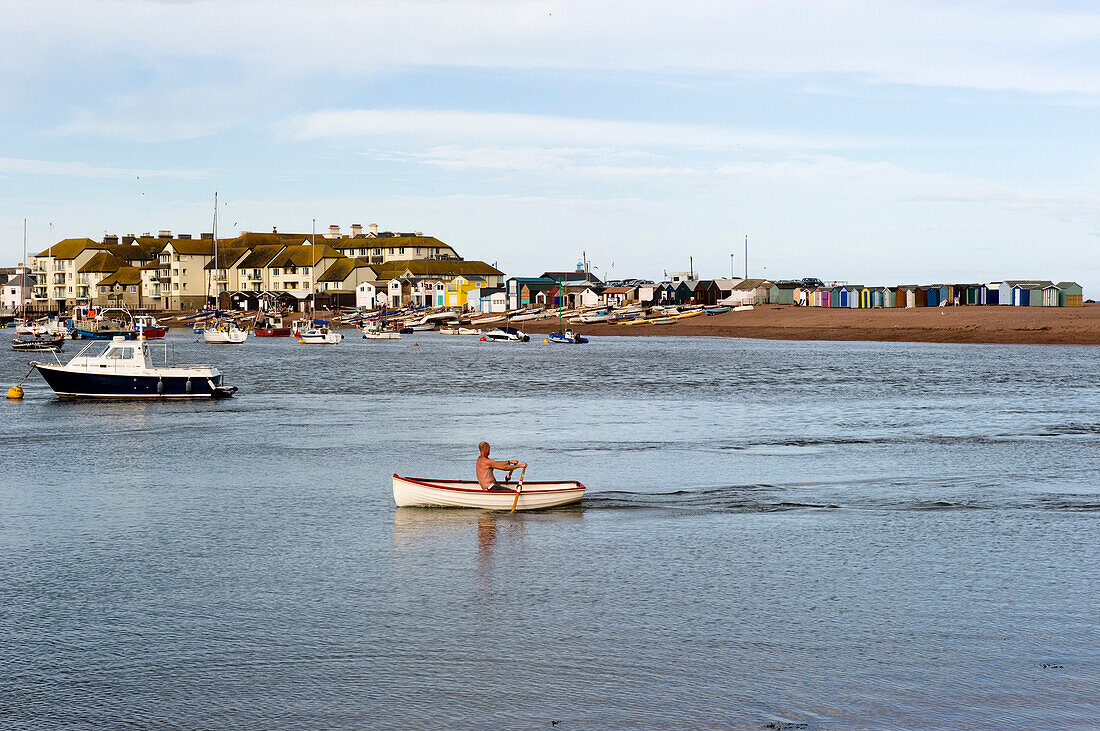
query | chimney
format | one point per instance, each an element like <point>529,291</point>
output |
<point>419,233</point>
<point>274,230</point>
<point>356,230</point>
<point>374,228</point>
<point>112,239</point>
<point>207,236</point>
<point>185,236</point>
<point>333,232</point>
<point>164,234</point>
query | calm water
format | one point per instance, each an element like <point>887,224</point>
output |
<point>829,534</point>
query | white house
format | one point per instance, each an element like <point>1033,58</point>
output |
<point>10,299</point>
<point>367,296</point>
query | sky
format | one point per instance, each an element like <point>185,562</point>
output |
<point>861,142</point>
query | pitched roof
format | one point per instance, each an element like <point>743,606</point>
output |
<point>191,247</point>
<point>340,270</point>
<point>126,252</point>
<point>387,242</point>
<point>125,276</point>
<point>434,268</point>
<point>304,255</point>
<point>261,256</point>
<point>70,248</point>
<point>572,276</point>
<point>102,261</point>
<point>227,256</point>
<point>749,284</point>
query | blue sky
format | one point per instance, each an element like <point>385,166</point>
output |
<point>863,142</point>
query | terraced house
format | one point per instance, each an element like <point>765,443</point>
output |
<point>166,272</point>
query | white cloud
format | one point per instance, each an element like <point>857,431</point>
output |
<point>16,166</point>
<point>506,128</point>
<point>1040,47</point>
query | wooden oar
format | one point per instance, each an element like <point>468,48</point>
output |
<point>519,489</point>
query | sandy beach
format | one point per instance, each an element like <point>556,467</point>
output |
<point>991,324</point>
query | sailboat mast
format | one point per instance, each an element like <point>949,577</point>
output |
<point>214,272</point>
<point>312,257</point>
<point>23,280</point>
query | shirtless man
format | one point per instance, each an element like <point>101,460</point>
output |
<point>485,467</point>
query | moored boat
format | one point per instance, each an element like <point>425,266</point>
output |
<point>124,369</point>
<point>717,310</point>
<point>567,338</point>
<point>507,335</point>
<point>89,323</point>
<point>271,327</point>
<point>149,327</point>
<point>36,343</point>
<point>224,332</point>
<point>469,331</point>
<point>323,335</point>
<point>418,491</point>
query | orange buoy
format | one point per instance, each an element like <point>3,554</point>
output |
<point>15,393</point>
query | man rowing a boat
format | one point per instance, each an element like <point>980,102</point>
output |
<point>485,466</point>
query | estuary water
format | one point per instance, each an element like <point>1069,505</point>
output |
<point>775,535</point>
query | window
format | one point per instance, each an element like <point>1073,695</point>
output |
<point>275,272</point>
<point>401,250</point>
<point>132,288</point>
<point>377,251</point>
<point>418,250</point>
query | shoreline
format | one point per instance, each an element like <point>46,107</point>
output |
<point>989,325</point>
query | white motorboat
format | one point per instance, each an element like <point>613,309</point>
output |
<point>448,331</point>
<point>468,331</point>
<point>224,333</point>
<point>507,335</point>
<point>417,491</point>
<point>321,336</point>
<point>124,368</point>
<point>381,335</point>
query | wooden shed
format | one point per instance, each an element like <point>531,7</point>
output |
<point>1070,294</point>
<point>866,299</point>
<point>784,293</point>
<point>990,293</point>
<point>931,296</point>
<point>1021,296</point>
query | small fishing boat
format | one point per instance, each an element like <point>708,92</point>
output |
<point>742,308</point>
<point>320,336</point>
<point>418,491</point>
<point>448,331</point>
<point>374,331</point>
<point>149,327</point>
<point>36,343</point>
<point>567,338</point>
<point>662,320</point>
<point>717,310</point>
<point>125,369</point>
<point>529,314</point>
<point>271,327</point>
<point>102,324</point>
<point>468,331</point>
<point>507,335</point>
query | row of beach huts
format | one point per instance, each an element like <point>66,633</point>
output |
<point>1020,293</point>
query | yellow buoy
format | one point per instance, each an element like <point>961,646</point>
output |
<point>546,340</point>
<point>15,392</point>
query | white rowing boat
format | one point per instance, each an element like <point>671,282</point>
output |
<point>419,491</point>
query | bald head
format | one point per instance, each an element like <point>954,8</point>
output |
<point>483,447</point>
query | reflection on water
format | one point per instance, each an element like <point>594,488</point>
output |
<point>831,534</point>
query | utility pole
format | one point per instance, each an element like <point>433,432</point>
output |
<point>691,268</point>
<point>746,256</point>
<point>731,266</point>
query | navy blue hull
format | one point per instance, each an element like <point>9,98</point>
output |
<point>103,385</point>
<point>79,334</point>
